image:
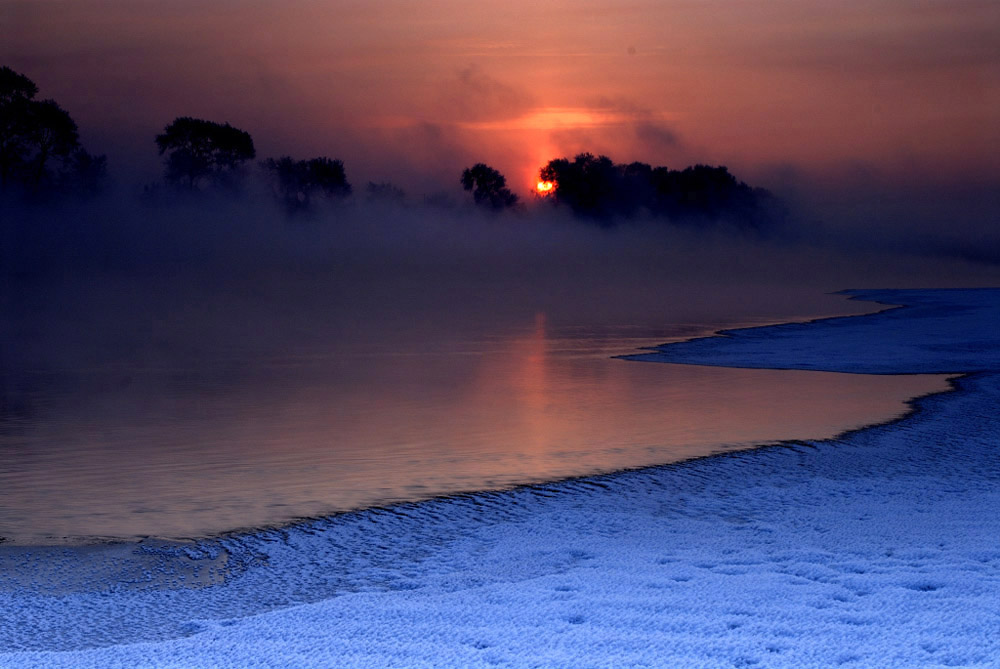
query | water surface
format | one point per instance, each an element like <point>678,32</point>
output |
<point>167,449</point>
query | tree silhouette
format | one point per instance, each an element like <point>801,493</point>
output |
<point>52,134</point>
<point>597,188</point>
<point>588,184</point>
<point>204,152</point>
<point>38,135</point>
<point>297,182</point>
<point>16,95</point>
<point>15,86</point>
<point>488,186</point>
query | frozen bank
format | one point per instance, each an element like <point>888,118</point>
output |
<point>876,549</point>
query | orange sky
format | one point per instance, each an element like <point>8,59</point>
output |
<point>413,92</point>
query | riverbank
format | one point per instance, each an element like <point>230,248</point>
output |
<point>877,548</point>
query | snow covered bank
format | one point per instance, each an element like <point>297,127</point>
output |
<point>936,331</point>
<point>876,549</point>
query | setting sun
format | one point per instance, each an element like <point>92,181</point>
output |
<point>544,187</point>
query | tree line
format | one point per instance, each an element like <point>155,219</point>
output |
<point>40,154</point>
<point>598,188</point>
<point>40,150</point>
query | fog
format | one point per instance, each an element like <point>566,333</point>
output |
<point>871,211</point>
<point>120,279</point>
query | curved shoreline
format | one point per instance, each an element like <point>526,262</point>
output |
<point>615,447</point>
<point>211,542</point>
<point>765,347</point>
<point>870,547</point>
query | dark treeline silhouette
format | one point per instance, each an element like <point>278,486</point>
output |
<point>597,188</point>
<point>206,156</point>
<point>40,151</point>
<point>204,153</point>
<point>41,155</point>
<point>488,186</point>
<point>296,183</point>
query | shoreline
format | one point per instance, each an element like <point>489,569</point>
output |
<point>872,548</point>
<point>54,542</point>
<point>739,343</point>
<point>910,406</point>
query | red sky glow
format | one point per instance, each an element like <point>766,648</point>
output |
<point>408,91</point>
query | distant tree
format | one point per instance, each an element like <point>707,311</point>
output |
<point>705,192</point>
<point>385,192</point>
<point>597,188</point>
<point>204,153</point>
<point>588,184</point>
<point>16,94</point>
<point>52,135</point>
<point>298,182</point>
<point>39,142</point>
<point>488,186</point>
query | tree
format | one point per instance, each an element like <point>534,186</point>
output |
<point>204,152</point>
<point>589,185</point>
<point>488,186</point>
<point>52,134</point>
<point>15,86</point>
<point>297,182</point>
<point>597,188</point>
<point>16,94</point>
<point>36,136</point>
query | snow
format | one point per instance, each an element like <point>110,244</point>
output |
<point>879,548</point>
<point>937,331</point>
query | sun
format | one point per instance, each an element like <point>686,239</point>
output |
<point>544,187</point>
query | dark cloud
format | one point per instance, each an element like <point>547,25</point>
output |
<point>646,126</point>
<point>474,95</point>
<point>658,136</point>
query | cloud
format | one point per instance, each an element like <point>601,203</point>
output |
<point>626,131</point>
<point>474,95</point>
<point>654,130</point>
<point>657,136</point>
<point>621,105</point>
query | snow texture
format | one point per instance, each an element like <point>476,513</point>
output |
<point>876,549</point>
<point>937,331</point>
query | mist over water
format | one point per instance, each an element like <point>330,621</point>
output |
<point>189,367</point>
<point>119,279</point>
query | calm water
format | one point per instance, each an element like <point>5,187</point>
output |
<point>181,446</point>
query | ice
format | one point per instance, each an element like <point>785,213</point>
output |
<point>937,331</point>
<point>879,548</point>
